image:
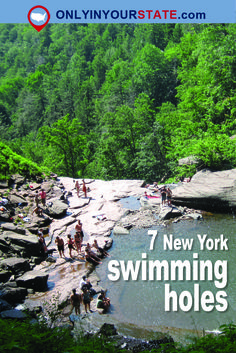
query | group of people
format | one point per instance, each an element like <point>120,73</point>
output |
<point>37,197</point>
<point>84,188</point>
<point>86,296</point>
<point>166,194</point>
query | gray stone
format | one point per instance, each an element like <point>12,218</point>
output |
<point>3,184</point>
<point>58,209</point>
<point>4,305</point>
<point>13,295</point>
<point>13,314</point>
<point>210,191</point>
<point>27,243</point>
<point>169,212</point>
<point>5,276</point>
<point>17,179</point>
<point>15,265</point>
<point>15,199</point>
<point>13,228</point>
<point>189,160</point>
<point>36,280</point>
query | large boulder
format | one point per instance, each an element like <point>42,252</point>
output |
<point>13,295</point>
<point>57,209</point>
<point>213,191</point>
<point>169,212</point>
<point>26,244</point>
<point>36,280</point>
<point>15,265</point>
<point>13,314</point>
<point>13,228</point>
<point>16,199</point>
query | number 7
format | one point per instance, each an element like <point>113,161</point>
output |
<point>154,234</point>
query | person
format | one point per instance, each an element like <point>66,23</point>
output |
<point>163,195</point>
<point>38,211</point>
<point>42,242</point>
<point>91,258</point>
<point>103,302</point>
<point>43,197</point>
<point>75,300</point>
<point>85,282</point>
<point>36,198</point>
<point>60,246</point>
<point>70,245</point>
<point>78,236</point>
<point>78,228</point>
<point>84,189</point>
<point>86,297</point>
<point>169,194</point>
<point>77,187</point>
<point>101,250</point>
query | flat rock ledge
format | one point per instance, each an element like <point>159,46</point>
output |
<point>209,191</point>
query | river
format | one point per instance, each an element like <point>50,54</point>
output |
<point>141,302</point>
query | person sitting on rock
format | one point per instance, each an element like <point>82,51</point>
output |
<point>75,300</point>
<point>103,302</point>
<point>38,211</point>
<point>101,250</point>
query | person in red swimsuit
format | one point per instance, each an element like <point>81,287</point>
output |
<point>84,189</point>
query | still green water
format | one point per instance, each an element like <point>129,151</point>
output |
<point>142,302</point>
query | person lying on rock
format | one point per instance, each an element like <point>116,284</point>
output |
<point>91,258</point>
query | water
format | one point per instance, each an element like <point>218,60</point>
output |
<point>142,302</point>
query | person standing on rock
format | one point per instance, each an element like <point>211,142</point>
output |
<point>36,198</point>
<point>77,187</point>
<point>70,245</point>
<point>60,246</point>
<point>86,297</point>
<point>43,197</point>
<point>75,300</point>
<point>84,189</point>
<point>169,194</point>
<point>78,235</point>
<point>163,195</point>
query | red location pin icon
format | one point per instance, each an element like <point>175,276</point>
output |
<point>38,17</point>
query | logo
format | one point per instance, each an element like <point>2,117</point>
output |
<point>38,17</point>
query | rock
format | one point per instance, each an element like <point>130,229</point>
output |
<point>120,230</point>
<point>3,184</point>
<point>58,209</point>
<point>189,160</point>
<point>36,280</point>
<point>15,265</point>
<point>21,243</point>
<point>13,228</point>
<point>15,199</point>
<point>210,191</point>
<point>13,314</point>
<point>169,212</point>
<point>5,276</point>
<point>17,179</point>
<point>13,295</point>
<point>107,330</point>
<point>4,305</point>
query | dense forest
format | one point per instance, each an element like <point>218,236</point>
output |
<point>117,101</point>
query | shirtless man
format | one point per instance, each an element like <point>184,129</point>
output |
<point>75,300</point>
<point>60,246</point>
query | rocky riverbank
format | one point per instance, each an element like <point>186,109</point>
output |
<point>30,277</point>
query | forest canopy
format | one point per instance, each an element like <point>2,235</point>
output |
<point>118,101</point>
